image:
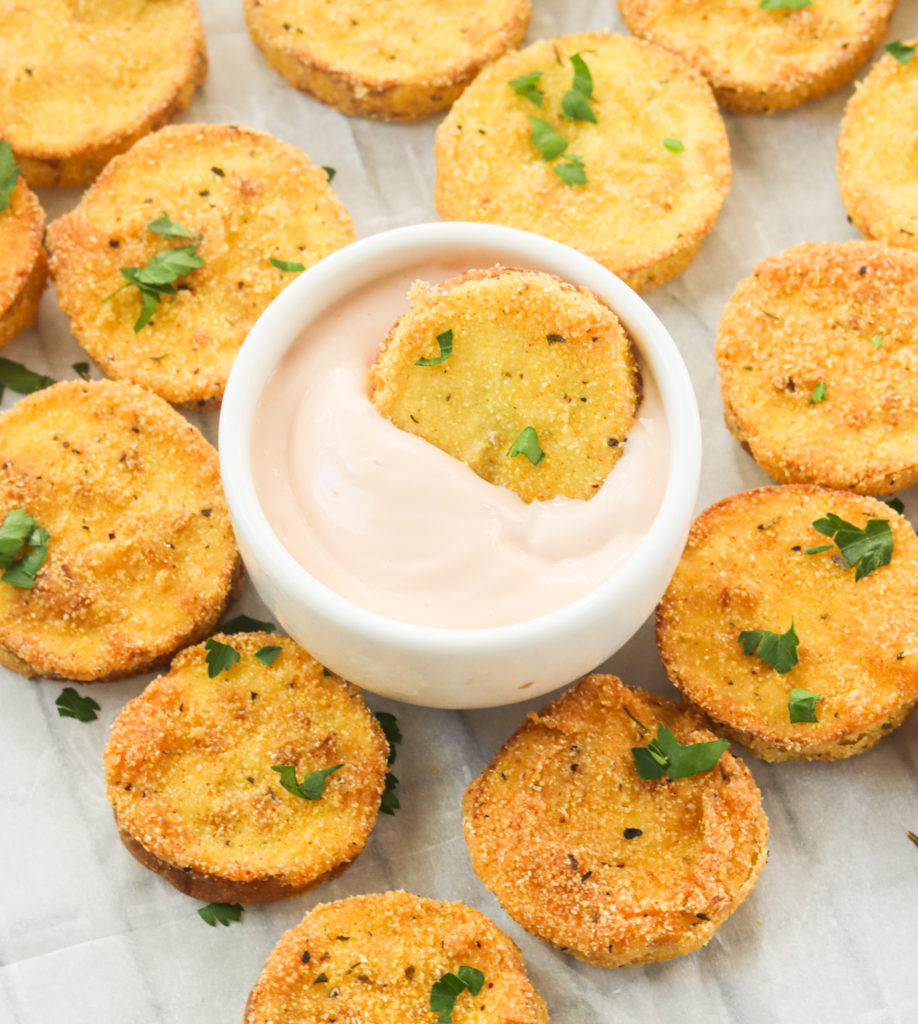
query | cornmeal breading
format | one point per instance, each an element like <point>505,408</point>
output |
<point>141,558</point>
<point>607,866</point>
<point>190,777</point>
<point>818,354</point>
<point>376,958</point>
<point>23,262</point>
<point>762,60</point>
<point>877,174</point>
<point>656,162</point>
<point>244,197</point>
<point>81,81</point>
<point>399,63</point>
<point>528,352</point>
<point>746,567</point>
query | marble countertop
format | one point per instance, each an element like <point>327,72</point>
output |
<point>830,935</point>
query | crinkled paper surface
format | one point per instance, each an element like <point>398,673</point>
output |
<point>830,936</point>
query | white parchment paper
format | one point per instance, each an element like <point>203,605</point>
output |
<point>830,936</point>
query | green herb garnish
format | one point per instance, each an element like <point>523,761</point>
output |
<point>819,393</point>
<point>527,444</point>
<point>789,5</point>
<point>157,278</point>
<point>168,228</point>
<point>445,992</point>
<point>23,547</point>
<point>801,705</point>
<point>445,341</point>
<point>9,174</point>
<point>674,145</point>
<point>219,657</point>
<point>223,913</point>
<point>867,548</point>
<point>665,755</point>
<point>545,139</point>
<point>269,654</point>
<point>389,723</point>
<point>571,170</point>
<point>246,624</point>
<point>17,378</point>
<point>897,50</point>
<point>71,705</point>
<point>291,268</point>
<point>330,172</point>
<point>82,369</point>
<point>896,505</point>
<point>877,341</point>
<point>574,103</point>
<point>527,86</point>
<point>313,784</point>
<point>776,649</point>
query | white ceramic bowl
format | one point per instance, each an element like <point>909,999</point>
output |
<point>456,668</point>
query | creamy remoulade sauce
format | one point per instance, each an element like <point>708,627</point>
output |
<point>396,525</point>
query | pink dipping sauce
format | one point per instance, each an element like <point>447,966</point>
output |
<point>399,527</point>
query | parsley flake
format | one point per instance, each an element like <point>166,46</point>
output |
<point>246,624</point>
<point>901,52</point>
<point>224,913</point>
<point>156,278</point>
<point>389,803</point>
<point>527,86</point>
<point>896,505</point>
<point>23,547</point>
<point>545,139</point>
<point>445,992</point>
<point>17,378</point>
<point>313,784</point>
<point>445,341</point>
<point>330,172</point>
<point>219,657</point>
<point>819,393</point>
<point>9,174</point>
<point>71,705</point>
<point>571,170</point>
<point>575,102</point>
<point>665,755</point>
<point>674,145</point>
<point>790,5</point>
<point>801,705</point>
<point>877,341</point>
<point>868,548</point>
<point>269,654</point>
<point>291,268</point>
<point>168,228</point>
<point>776,649</point>
<point>82,369</point>
<point>527,444</point>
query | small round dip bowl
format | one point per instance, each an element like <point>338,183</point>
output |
<point>443,667</point>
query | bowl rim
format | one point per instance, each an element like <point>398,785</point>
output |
<point>360,262</point>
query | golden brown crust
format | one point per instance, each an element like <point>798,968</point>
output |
<point>82,83</point>
<point>528,350</point>
<point>875,175</point>
<point>607,866</point>
<point>759,61</point>
<point>843,315</point>
<point>189,773</point>
<point>415,60</point>
<point>23,262</point>
<point>141,558</point>
<point>245,197</point>
<point>378,956</point>
<point>745,567</point>
<point>645,208</point>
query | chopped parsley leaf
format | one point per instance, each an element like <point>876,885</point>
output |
<point>17,378</point>
<point>219,657</point>
<point>269,654</point>
<point>790,5</point>
<point>389,723</point>
<point>9,173</point>
<point>896,505</point>
<point>19,532</point>
<point>819,393</point>
<point>71,705</point>
<point>156,278</point>
<point>445,341</point>
<point>868,548</point>
<point>545,139</point>
<point>776,649</point>
<point>801,705</point>
<point>674,145</point>
<point>571,170</point>
<point>168,228</point>
<point>246,624</point>
<point>527,86</point>
<point>575,102</point>
<point>313,784</point>
<point>82,369</point>
<point>898,51</point>
<point>665,755</point>
<point>527,444</point>
<point>223,913</point>
<point>330,172</point>
<point>445,992</point>
<point>291,268</point>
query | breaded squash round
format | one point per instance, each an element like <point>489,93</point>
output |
<point>82,82</point>
<point>399,63</point>
<point>606,865</point>
<point>638,190</point>
<point>141,558</point>
<point>529,356</point>
<point>818,356</point>
<point>750,568</point>
<point>190,771</point>
<point>243,199</point>
<point>377,957</point>
<point>761,60</point>
<point>876,169</point>
<point>23,261</point>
